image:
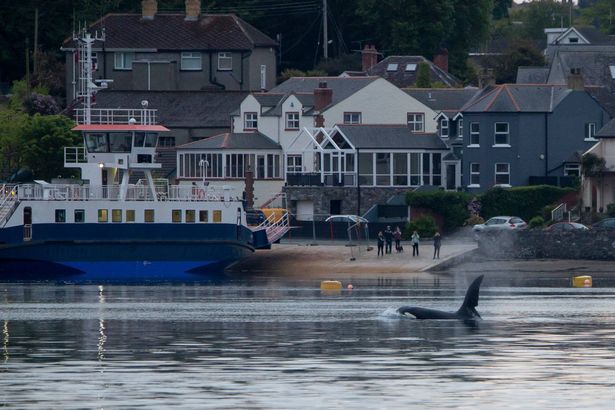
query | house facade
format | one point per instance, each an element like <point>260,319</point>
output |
<point>527,134</point>
<point>599,189</point>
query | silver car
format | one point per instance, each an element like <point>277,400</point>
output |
<point>500,223</point>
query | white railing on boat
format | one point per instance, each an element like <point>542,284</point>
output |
<point>8,200</point>
<point>75,192</point>
<point>107,116</point>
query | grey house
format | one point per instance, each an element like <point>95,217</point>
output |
<point>518,135</point>
<point>190,51</point>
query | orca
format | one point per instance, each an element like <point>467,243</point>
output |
<point>465,312</point>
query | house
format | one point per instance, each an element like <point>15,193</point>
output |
<point>154,51</point>
<point>599,188</point>
<point>516,134</point>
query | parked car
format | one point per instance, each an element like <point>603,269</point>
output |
<point>500,223</point>
<point>608,223</point>
<point>567,226</point>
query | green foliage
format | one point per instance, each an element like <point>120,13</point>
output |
<point>424,225</point>
<point>473,220</point>
<point>538,15</point>
<point>524,202</point>
<point>610,210</point>
<point>599,14</point>
<point>500,9</point>
<point>336,66</point>
<point>293,72</point>
<point>592,165</point>
<point>423,77</point>
<point>19,91</point>
<point>12,126</point>
<point>520,53</point>
<point>536,222</point>
<point>452,206</point>
<point>546,211</point>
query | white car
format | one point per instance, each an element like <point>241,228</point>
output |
<point>500,223</point>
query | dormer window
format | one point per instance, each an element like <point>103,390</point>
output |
<point>292,120</point>
<point>444,128</point>
<point>250,121</point>
<point>410,67</point>
<point>573,40</point>
<point>392,67</point>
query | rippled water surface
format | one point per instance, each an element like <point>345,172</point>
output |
<point>275,344</point>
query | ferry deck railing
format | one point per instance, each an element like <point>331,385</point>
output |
<point>8,202</point>
<point>107,116</point>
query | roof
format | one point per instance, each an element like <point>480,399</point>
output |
<point>594,62</point>
<point>173,32</point>
<point>390,136</point>
<point>443,99</point>
<point>179,109</point>
<point>532,75</point>
<point>589,33</point>
<point>518,98</point>
<point>271,103</point>
<point>608,131</point>
<point>402,70</point>
<point>245,141</point>
<point>119,127</point>
<point>342,87</point>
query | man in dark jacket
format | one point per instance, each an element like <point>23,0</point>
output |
<point>388,238</point>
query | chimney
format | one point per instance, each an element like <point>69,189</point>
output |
<point>369,57</point>
<point>486,78</point>
<point>149,8</point>
<point>193,10</point>
<point>441,60</point>
<point>575,80</point>
<point>322,97</point>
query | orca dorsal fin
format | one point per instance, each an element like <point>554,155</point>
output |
<point>471,300</point>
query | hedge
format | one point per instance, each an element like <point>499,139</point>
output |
<point>524,202</point>
<point>452,206</point>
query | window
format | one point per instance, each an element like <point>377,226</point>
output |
<point>250,121</point>
<point>444,127</point>
<point>273,166</point>
<point>426,169</point>
<point>190,215</point>
<point>502,174</point>
<point>203,216</point>
<point>79,216</point>
<point>572,170</point>
<point>460,127</point>
<point>612,70</point>
<point>415,169</point>
<point>60,215</point>
<point>217,216</point>
<point>130,215</point>
<point>166,141</point>
<point>501,134</point>
<point>123,61</point>
<point>294,164</point>
<point>352,118</point>
<point>392,67</point>
<point>148,215</point>
<point>103,215</point>
<point>116,215</point>
<point>474,134</point>
<point>475,175</point>
<point>400,169</point>
<point>410,67</point>
<point>191,61</point>
<point>194,165</point>
<point>176,215</point>
<point>590,131</point>
<point>383,169</point>
<point>263,77</point>
<point>573,40</point>
<point>94,61</point>
<point>416,122</point>
<point>225,62</point>
<point>292,120</point>
<point>366,168</point>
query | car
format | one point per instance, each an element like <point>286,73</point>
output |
<point>500,223</point>
<point>608,223</point>
<point>567,226</point>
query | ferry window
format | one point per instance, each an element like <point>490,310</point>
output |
<point>148,215</point>
<point>190,215</point>
<point>103,215</point>
<point>96,142</point>
<point>217,216</point>
<point>79,216</point>
<point>116,215</point>
<point>120,141</point>
<point>166,141</point>
<point>130,215</point>
<point>60,215</point>
<point>139,139</point>
<point>203,216</point>
<point>150,139</point>
<point>176,215</point>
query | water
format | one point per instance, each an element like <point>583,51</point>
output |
<point>278,345</point>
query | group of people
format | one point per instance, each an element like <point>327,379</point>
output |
<point>385,242</point>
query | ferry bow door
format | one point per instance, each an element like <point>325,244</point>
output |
<point>27,224</point>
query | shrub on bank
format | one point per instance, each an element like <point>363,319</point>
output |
<point>536,222</point>
<point>424,225</point>
<point>524,202</point>
<point>452,206</point>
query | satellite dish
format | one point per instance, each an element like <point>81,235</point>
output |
<point>132,121</point>
<point>144,103</point>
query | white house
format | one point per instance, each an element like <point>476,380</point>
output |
<point>599,189</point>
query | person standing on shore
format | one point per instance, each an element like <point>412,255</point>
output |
<point>388,237</point>
<point>397,237</point>
<point>437,241</point>
<point>380,244</point>
<point>415,243</point>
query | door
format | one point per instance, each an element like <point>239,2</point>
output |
<point>451,176</point>
<point>27,224</point>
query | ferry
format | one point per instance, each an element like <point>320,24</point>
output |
<point>118,222</point>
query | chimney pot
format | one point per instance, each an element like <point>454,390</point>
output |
<point>575,80</point>
<point>369,57</point>
<point>193,10</point>
<point>149,8</point>
<point>441,60</point>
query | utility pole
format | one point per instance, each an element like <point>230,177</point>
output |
<point>325,38</point>
<point>35,52</point>
<point>27,67</point>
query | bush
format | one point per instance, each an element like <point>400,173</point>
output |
<point>452,206</point>
<point>524,202</point>
<point>536,222</point>
<point>424,225</point>
<point>474,220</point>
<point>610,210</point>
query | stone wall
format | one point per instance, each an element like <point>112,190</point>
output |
<point>596,244</point>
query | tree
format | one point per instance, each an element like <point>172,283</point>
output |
<point>600,14</point>
<point>12,126</point>
<point>518,54</point>
<point>538,15</point>
<point>423,77</point>
<point>500,9</point>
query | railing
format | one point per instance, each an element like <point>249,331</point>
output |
<point>313,179</point>
<point>561,181</point>
<point>557,214</point>
<point>109,116</point>
<point>75,155</point>
<point>277,229</point>
<point>8,202</point>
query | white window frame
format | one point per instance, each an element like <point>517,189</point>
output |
<point>263,77</point>
<point>499,134</point>
<point>249,119</point>
<point>225,61</point>
<point>121,60</point>
<point>391,67</point>
<point>94,61</point>
<point>473,134</point>
<point>612,70</point>
<point>292,120</point>
<point>500,173</point>
<point>474,175</point>
<point>416,121</point>
<point>590,131</point>
<point>411,67</point>
<point>188,60</point>
<point>351,118</point>
<point>444,127</point>
<point>572,170</point>
<point>294,164</point>
<point>460,128</point>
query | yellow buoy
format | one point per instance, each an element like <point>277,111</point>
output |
<point>331,285</point>
<point>584,281</point>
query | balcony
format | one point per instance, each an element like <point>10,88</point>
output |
<point>314,179</point>
<point>121,116</point>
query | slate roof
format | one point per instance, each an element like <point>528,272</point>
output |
<point>173,32</point>
<point>177,109</point>
<point>608,131</point>
<point>244,141</point>
<point>390,136</point>
<point>403,78</point>
<point>594,62</point>
<point>271,103</point>
<point>590,33</point>
<point>532,75</point>
<point>449,100</point>
<point>518,98</point>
